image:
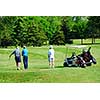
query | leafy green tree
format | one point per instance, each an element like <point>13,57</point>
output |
<point>36,35</point>
<point>57,34</point>
<point>27,30</point>
<point>19,30</point>
<point>58,38</point>
<point>94,27</point>
<point>37,30</point>
<point>79,26</point>
<point>6,24</point>
<point>65,27</point>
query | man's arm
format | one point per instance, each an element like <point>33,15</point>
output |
<point>11,54</point>
<point>22,52</point>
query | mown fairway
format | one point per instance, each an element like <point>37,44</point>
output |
<point>39,71</point>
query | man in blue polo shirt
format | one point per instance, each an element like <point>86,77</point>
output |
<point>25,57</point>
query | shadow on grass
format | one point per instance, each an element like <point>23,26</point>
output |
<point>59,66</point>
<point>89,44</point>
<point>67,67</point>
<point>49,67</point>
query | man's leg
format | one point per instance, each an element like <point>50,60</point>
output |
<point>26,62</point>
<point>50,64</point>
<point>17,63</point>
<point>53,64</point>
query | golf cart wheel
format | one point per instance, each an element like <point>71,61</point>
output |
<point>83,66</point>
<point>89,64</point>
<point>65,64</point>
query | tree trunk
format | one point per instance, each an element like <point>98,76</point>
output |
<point>81,41</point>
<point>92,40</point>
<point>0,42</point>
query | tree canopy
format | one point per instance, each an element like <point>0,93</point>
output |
<point>41,30</point>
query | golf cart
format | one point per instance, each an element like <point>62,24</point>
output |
<point>81,60</point>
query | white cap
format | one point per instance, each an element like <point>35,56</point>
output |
<point>51,47</point>
<point>24,46</point>
<point>17,47</point>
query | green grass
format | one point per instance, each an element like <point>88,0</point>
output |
<point>39,71</point>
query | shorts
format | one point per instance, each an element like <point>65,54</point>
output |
<point>50,59</point>
<point>18,59</point>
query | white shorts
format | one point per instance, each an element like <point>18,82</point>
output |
<point>50,59</point>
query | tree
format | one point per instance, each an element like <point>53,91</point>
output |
<point>28,31</point>
<point>57,34</point>
<point>79,26</point>
<point>6,24</point>
<point>19,30</point>
<point>66,28</point>
<point>36,35</point>
<point>37,30</point>
<point>58,39</point>
<point>94,27</point>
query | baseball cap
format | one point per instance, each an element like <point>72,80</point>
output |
<point>51,47</point>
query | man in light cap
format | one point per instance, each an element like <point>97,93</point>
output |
<point>25,57</point>
<point>17,54</point>
<point>51,56</point>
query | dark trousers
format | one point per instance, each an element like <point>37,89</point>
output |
<point>25,61</point>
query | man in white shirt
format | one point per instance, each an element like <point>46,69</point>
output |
<point>51,56</point>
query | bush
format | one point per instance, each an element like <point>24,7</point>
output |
<point>69,41</point>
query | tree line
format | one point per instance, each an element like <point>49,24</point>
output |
<point>42,30</point>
